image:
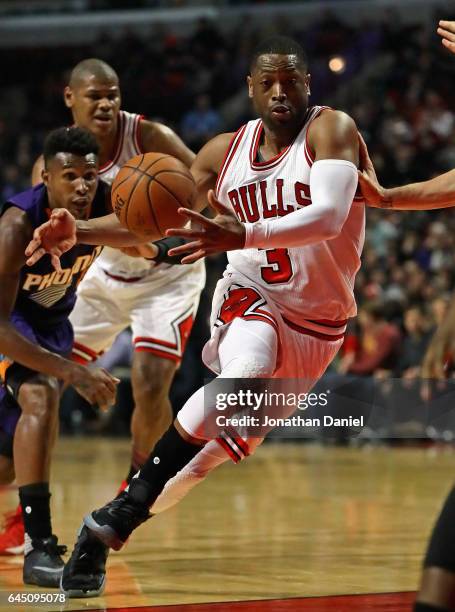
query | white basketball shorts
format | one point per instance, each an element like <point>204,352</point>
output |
<point>159,308</point>
<point>302,353</point>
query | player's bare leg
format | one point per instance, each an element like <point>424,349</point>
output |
<point>39,400</point>
<point>151,378</point>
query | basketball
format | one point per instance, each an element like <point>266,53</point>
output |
<point>147,192</point>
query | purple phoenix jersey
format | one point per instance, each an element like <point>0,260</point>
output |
<point>45,297</point>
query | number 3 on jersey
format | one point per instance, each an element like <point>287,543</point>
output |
<point>280,268</point>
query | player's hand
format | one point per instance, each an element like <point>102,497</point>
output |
<point>149,251</point>
<point>54,237</point>
<point>96,386</point>
<point>208,236</point>
<point>372,191</point>
<point>447,31</point>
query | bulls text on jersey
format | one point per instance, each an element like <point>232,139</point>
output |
<point>244,200</point>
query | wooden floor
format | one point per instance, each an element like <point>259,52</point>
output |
<point>293,521</point>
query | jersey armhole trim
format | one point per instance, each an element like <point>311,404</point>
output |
<point>137,134</point>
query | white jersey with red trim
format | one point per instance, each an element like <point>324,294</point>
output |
<point>311,285</point>
<point>114,261</point>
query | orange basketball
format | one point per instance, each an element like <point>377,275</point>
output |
<point>147,192</point>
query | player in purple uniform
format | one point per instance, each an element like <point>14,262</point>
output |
<point>36,335</point>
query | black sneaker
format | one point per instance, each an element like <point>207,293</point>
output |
<point>85,573</point>
<point>114,522</point>
<point>43,564</point>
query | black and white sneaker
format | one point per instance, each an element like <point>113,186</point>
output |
<point>114,522</point>
<point>84,574</point>
<point>43,564</point>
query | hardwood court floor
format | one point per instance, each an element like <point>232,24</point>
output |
<point>292,521</point>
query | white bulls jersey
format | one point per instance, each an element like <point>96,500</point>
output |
<point>312,283</point>
<point>114,261</point>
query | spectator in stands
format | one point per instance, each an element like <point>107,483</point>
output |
<point>414,343</point>
<point>201,123</point>
<point>378,343</point>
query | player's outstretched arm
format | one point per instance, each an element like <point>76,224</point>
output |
<point>438,192</point>
<point>106,231</point>
<point>446,30</point>
<point>61,232</point>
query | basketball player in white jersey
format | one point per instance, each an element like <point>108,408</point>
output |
<point>287,215</point>
<point>158,300</point>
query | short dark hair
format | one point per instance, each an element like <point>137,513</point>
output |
<point>279,45</point>
<point>92,67</point>
<point>75,140</point>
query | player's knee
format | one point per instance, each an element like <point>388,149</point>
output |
<point>40,397</point>
<point>249,366</point>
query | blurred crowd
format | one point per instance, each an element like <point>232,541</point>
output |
<point>394,79</point>
<point>18,7</point>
